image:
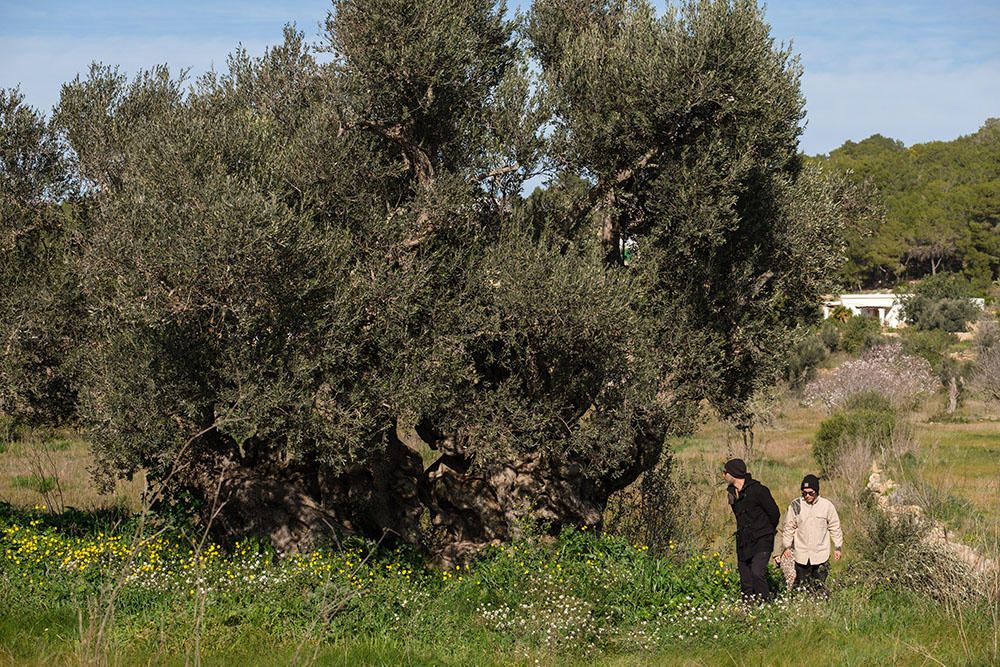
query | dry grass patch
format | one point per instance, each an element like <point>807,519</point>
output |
<point>52,468</point>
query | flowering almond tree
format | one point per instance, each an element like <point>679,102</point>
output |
<point>885,370</point>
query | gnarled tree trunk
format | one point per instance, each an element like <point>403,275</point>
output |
<point>300,505</point>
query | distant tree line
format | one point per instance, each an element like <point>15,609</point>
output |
<point>942,204</point>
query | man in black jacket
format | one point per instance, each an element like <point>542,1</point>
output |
<point>756,523</point>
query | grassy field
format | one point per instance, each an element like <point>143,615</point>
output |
<point>52,468</point>
<point>90,587</point>
<point>957,462</point>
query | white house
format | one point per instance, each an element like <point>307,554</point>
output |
<point>887,307</point>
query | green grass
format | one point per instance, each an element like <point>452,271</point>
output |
<point>581,599</point>
<point>850,629</point>
<point>623,612</point>
<point>36,483</point>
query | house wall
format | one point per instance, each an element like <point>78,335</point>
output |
<point>886,307</point>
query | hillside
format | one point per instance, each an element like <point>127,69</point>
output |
<point>942,208</point>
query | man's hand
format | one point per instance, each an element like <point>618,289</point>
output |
<point>787,553</point>
<point>836,554</point>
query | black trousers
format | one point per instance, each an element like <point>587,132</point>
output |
<point>812,577</point>
<point>753,576</point>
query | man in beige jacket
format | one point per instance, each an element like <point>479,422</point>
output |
<point>809,524</point>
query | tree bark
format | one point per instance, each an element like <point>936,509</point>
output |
<point>300,506</point>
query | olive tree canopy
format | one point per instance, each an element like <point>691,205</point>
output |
<point>316,296</point>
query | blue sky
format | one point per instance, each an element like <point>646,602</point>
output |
<point>913,70</point>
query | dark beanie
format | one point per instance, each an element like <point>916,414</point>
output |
<point>811,482</point>
<point>736,467</point>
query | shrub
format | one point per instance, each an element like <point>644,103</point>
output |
<point>830,334</point>
<point>868,400</point>
<point>885,370</point>
<point>931,345</point>
<point>940,302</point>
<point>867,418</point>
<point>803,359</point>
<point>946,314</point>
<point>895,553</point>
<point>861,333</point>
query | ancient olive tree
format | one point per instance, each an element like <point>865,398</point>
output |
<point>317,299</point>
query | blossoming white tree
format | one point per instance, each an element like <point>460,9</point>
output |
<point>885,370</point>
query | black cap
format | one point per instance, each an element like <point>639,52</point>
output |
<point>736,467</point>
<point>810,482</point>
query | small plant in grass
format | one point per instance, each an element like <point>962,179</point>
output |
<point>58,444</point>
<point>36,483</point>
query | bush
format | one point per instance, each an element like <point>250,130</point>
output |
<point>868,417</point>
<point>830,334</point>
<point>895,553</point>
<point>947,315</point>
<point>860,334</point>
<point>940,302</point>
<point>868,400</point>
<point>931,345</point>
<point>803,359</point>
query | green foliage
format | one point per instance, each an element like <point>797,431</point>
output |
<point>578,598</point>
<point>932,345</point>
<point>40,308</point>
<point>860,333</point>
<point>287,263</point>
<point>942,203</point>
<point>830,332</point>
<point>841,313</point>
<point>947,315</point>
<point>804,358</point>
<point>940,302</point>
<point>575,593</point>
<point>865,418</point>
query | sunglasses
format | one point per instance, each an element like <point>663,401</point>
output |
<point>808,493</point>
